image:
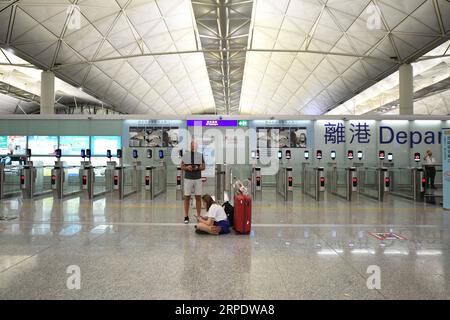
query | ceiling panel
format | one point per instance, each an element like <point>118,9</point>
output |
<point>95,56</point>
<point>353,45</point>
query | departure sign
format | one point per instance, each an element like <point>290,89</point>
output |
<point>212,123</point>
<point>217,123</point>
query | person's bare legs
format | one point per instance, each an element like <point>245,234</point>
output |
<point>187,201</point>
<point>198,205</point>
<point>215,230</point>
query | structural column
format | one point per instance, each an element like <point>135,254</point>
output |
<point>47,92</point>
<point>406,89</point>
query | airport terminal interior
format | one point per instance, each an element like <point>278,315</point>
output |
<point>325,124</point>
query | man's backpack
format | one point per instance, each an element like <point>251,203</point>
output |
<point>229,211</point>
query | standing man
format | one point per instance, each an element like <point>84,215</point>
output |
<point>193,163</point>
<point>430,168</point>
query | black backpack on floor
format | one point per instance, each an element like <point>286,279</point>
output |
<point>229,211</point>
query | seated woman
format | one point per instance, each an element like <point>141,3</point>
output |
<point>216,221</point>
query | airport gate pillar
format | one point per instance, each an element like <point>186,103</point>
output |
<point>406,89</point>
<point>47,92</point>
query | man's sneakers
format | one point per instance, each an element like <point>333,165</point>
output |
<point>186,219</point>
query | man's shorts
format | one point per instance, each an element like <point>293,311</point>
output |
<point>193,187</point>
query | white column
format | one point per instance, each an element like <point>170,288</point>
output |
<point>406,89</point>
<point>47,92</point>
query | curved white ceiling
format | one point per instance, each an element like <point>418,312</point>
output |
<point>302,82</point>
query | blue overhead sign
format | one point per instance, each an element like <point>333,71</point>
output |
<point>212,123</point>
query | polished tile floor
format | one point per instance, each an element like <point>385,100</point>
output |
<point>139,249</point>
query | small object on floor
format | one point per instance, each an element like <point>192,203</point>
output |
<point>186,220</point>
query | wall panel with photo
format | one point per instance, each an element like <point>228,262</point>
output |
<point>153,137</point>
<point>283,137</point>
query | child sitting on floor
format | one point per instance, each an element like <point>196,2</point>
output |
<point>216,220</point>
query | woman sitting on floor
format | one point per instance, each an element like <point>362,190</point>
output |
<point>216,220</point>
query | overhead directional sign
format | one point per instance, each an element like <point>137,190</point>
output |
<point>243,123</point>
<point>212,123</point>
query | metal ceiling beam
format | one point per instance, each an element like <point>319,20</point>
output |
<point>221,27</point>
<point>218,51</point>
<point>19,65</point>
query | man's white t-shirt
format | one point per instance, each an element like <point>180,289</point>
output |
<point>217,213</point>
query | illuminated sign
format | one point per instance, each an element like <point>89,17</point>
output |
<point>212,123</point>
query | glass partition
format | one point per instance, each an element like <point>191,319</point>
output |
<point>12,180</point>
<point>101,182</point>
<point>338,184</point>
<point>160,179</point>
<point>72,180</point>
<point>43,182</point>
<point>403,182</point>
<point>130,177</point>
<point>368,182</point>
<point>310,181</point>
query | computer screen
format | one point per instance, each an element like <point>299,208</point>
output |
<point>101,144</point>
<point>43,145</point>
<point>72,145</point>
<point>13,144</point>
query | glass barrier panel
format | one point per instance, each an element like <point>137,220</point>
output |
<point>368,182</point>
<point>403,181</point>
<point>43,179</point>
<point>72,180</point>
<point>101,180</point>
<point>130,179</point>
<point>12,180</point>
<point>340,182</point>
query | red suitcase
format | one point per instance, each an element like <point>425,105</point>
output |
<point>242,213</point>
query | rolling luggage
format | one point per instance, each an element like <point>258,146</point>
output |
<point>242,213</point>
